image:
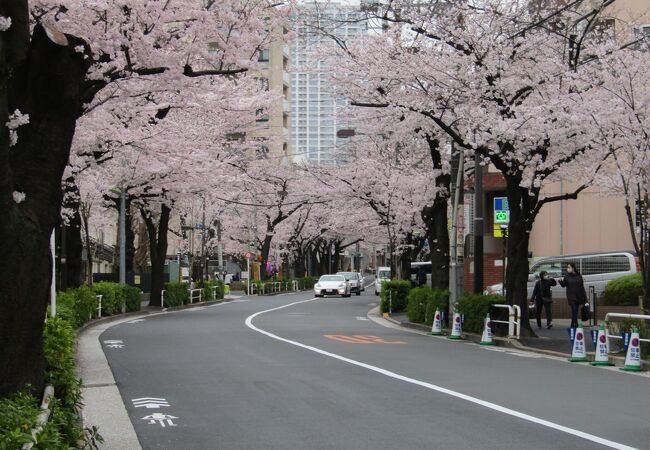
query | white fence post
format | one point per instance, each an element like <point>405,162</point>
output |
<point>99,305</point>
<point>162,298</point>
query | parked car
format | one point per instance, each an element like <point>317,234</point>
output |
<point>353,280</point>
<point>597,269</point>
<point>383,274</point>
<point>332,285</point>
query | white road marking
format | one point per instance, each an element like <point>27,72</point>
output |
<point>136,320</point>
<point>361,318</point>
<point>433,387</point>
<point>239,301</point>
<point>149,402</point>
<point>513,352</point>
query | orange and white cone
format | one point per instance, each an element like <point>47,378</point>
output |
<point>579,352</point>
<point>601,357</point>
<point>456,327</point>
<point>633,356</point>
<point>486,338</point>
<point>436,329</point>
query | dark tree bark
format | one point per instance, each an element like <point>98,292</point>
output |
<point>435,222</point>
<point>73,241</point>
<point>44,78</point>
<point>157,249</point>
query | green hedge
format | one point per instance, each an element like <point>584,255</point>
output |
<point>207,289</point>
<point>77,306</point>
<point>237,286</point>
<point>623,291</point>
<point>423,302</point>
<point>475,307</point>
<point>176,294</point>
<point>17,417</point>
<point>394,292</point>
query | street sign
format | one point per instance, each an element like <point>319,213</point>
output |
<point>500,232</point>
<point>198,226</point>
<point>248,255</point>
<point>501,210</point>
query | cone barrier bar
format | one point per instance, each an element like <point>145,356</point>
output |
<point>601,357</point>
<point>436,328</point>
<point>486,338</point>
<point>579,352</point>
<point>633,356</point>
<point>457,327</point>
<point>609,316</point>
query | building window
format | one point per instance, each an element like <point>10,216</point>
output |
<point>263,55</point>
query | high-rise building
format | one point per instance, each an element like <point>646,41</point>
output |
<point>314,104</point>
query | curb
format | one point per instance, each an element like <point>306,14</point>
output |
<point>619,361</point>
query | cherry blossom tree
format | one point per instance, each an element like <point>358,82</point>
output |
<point>59,59</point>
<point>513,83</point>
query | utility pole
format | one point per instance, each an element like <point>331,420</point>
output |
<point>478,225</point>
<point>53,283</point>
<point>204,268</point>
<point>219,248</point>
<point>453,266</point>
<point>122,235</point>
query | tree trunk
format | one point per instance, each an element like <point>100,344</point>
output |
<point>436,222</point>
<point>47,84</point>
<point>72,236</point>
<point>521,220</point>
<point>158,250</point>
<point>266,249</point>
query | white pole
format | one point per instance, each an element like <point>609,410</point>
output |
<point>453,278</point>
<point>53,284</point>
<point>248,268</point>
<point>122,235</point>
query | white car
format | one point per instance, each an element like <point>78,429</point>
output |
<point>332,285</point>
<point>383,274</point>
<point>363,288</point>
<point>353,280</point>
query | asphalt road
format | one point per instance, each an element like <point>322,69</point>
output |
<point>292,372</point>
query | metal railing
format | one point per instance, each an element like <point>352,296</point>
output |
<point>622,316</point>
<point>193,294</point>
<point>514,319</point>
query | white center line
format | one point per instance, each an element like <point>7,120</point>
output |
<point>433,387</point>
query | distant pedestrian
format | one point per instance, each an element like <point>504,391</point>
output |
<point>575,291</point>
<point>543,298</point>
<point>422,276</point>
<point>228,279</point>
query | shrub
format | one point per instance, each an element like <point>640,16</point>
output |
<point>422,303</point>
<point>475,307</point>
<point>208,289</point>
<point>176,294</point>
<point>623,291</point>
<point>237,286</point>
<point>394,292</point>
<point>307,282</point>
<point>131,296</point>
<point>111,297</point>
<point>77,306</point>
<point>17,417</point>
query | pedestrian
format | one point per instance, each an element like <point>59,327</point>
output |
<point>422,276</point>
<point>228,279</point>
<point>575,291</point>
<point>543,298</point>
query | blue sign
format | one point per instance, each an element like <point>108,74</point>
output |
<point>501,204</point>
<point>572,334</point>
<point>626,339</point>
<point>594,336</point>
<point>198,226</point>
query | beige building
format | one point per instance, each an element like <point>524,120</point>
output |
<point>276,125</point>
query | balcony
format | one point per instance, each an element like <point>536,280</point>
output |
<point>286,107</point>
<point>286,78</point>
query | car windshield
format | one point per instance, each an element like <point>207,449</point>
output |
<point>384,274</point>
<point>332,278</point>
<point>347,275</point>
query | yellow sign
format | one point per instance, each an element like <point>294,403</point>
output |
<point>498,231</point>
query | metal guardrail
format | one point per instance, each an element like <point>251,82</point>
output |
<point>194,296</point>
<point>514,319</point>
<point>623,316</point>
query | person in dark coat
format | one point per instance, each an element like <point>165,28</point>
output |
<point>543,298</point>
<point>422,276</point>
<point>575,291</point>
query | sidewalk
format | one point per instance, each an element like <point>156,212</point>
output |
<point>553,342</point>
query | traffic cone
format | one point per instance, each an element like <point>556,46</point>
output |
<point>486,339</point>
<point>601,357</point>
<point>436,329</point>
<point>579,352</point>
<point>457,327</point>
<point>633,356</point>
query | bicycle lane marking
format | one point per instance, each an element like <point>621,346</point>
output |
<point>430,386</point>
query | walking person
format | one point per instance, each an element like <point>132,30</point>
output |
<point>575,291</point>
<point>543,298</point>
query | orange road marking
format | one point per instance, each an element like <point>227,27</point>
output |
<point>361,339</point>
